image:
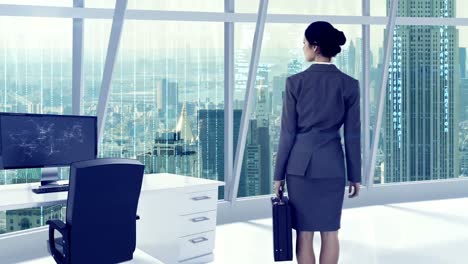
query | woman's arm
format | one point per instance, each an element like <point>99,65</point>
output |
<point>352,134</point>
<point>288,130</point>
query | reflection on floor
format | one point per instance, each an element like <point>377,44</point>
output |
<point>431,232</point>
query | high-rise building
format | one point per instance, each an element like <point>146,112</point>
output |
<point>211,143</point>
<point>357,65</point>
<point>263,134</point>
<point>463,105</point>
<point>279,83</point>
<point>173,152</point>
<point>462,60</point>
<point>421,128</point>
<point>351,70</point>
<point>295,66</point>
<point>464,148</point>
<point>252,163</point>
<point>167,100</point>
<point>341,60</point>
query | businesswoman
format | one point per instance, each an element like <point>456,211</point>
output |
<point>317,102</point>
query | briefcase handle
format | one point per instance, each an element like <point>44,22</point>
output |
<point>280,193</point>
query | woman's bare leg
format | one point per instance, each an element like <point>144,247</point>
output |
<point>304,247</point>
<point>330,249</point>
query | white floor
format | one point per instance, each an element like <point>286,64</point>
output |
<point>432,232</point>
<point>139,257</point>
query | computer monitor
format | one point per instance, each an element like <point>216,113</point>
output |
<point>46,141</point>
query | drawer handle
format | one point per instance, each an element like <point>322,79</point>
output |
<point>199,219</point>
<point>198,240</point>
<point>199,198</point>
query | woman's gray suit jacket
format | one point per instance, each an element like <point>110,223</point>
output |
<point>317,102</point>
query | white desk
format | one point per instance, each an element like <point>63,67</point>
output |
<point>178,214</point>
<point>20,196</point>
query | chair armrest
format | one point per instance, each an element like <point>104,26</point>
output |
<point>57,225</point>
<point>62,229</point>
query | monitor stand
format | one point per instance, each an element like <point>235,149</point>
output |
<point>49,177</point>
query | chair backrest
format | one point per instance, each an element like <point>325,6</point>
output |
<point>101,209</point>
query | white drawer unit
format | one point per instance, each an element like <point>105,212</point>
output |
<point>197,223</point>
<point>195,202</point>
<point>196,245</point>
<point>178,218</point>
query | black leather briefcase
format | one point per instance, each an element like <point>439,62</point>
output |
<point>282,230</point>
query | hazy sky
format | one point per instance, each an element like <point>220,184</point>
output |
<point>52,33</point>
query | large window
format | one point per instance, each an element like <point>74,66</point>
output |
<point>166,100</point>
<point>96,41</point>
<point>166,103</point>
<point>35,73</point>
<point>35,77</point>
<point>281,56</point>
<point>426,8</point>
<point>424,131</point>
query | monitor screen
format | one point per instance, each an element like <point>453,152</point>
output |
<point>37,140</point>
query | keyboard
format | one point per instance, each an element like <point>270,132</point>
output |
<point>49,189</point>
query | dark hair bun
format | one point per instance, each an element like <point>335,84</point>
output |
<point>340,37</point>
<point>328,38</point>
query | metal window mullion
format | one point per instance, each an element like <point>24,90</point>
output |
<point>77,61</point>
<point>366,89</point>
<point>228,98</point>
<point>107,13</point>
<point>112,50</point>
<point>251,80</point>
<point>383,91</point>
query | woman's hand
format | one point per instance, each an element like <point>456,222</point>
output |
<point>356,186</point>
<point>277,185</point>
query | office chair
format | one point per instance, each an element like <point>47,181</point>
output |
<point>101,213</point>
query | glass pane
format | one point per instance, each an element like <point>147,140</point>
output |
<point>304,7</point>
<point>281,56</point>
<point>424,120</point>
<point>35,77</point>
<point>426,8</point>
<point>172,5</point>
<point>166,104</point>
<point>96,40</point>
<point>35,73</point>
<point>16,220</point>
<point>38,2</point>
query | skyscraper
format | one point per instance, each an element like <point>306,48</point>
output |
<point>351,59</point>
<point>173,152</point>
<point>294,67</point>
<point>462,60</point>
<point>358,61</point>
<point>279,83</point>
<point>421,128</point>
<point>252,163</point>
<point>211,143</point>
<point>263,131</point>
<point>167,100</point>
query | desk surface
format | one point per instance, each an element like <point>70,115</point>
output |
<point>18,196</point>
